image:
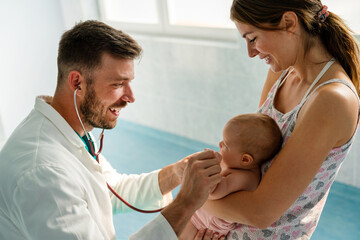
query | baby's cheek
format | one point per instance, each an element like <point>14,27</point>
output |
<point>224,159</point>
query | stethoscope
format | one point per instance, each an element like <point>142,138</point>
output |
<point>92,150</point>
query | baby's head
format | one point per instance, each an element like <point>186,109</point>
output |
<point>249,140</point>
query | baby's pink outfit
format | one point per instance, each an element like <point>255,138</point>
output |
<point>203,220</point>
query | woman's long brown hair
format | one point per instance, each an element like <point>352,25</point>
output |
<point>333,32</point>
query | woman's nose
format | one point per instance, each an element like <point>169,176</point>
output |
<point>252,52</point>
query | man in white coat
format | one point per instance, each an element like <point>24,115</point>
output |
<point>52,184</point>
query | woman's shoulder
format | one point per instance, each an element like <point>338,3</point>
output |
<point>336,87</point>
<point>335,91</point>
<point>335,104</point>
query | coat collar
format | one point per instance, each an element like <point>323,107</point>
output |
<point>42,104</point>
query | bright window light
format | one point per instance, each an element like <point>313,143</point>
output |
<point>131,11</point>
<point>348,10</point>
<point>200,13</point>
<point>209,19</point>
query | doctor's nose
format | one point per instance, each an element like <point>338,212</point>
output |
<point>252,52</point>
<point>128,95</point>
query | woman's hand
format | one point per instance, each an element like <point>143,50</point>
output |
<point>208,235</point>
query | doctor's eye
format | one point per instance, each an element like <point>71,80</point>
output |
<point>118,84</point>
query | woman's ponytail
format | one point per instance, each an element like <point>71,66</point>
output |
<point>341,43</point>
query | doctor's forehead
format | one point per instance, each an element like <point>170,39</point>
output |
<point>117,69</point>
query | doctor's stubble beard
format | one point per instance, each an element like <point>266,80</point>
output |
<point>94,112</point>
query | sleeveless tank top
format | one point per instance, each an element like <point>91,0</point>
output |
<point>300,220</point>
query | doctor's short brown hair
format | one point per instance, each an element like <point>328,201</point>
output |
<point>81,48</point>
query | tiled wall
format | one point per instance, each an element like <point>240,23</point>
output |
<point>191,88</point>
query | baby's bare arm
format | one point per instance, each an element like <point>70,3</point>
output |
<point>234,180</point>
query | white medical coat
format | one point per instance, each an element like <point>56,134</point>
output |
<point>52,188</point>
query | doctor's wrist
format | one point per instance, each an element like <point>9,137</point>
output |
<point>168,178</point>
<point>178,213</point>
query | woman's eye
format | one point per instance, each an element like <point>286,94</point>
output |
<point>252,40</point>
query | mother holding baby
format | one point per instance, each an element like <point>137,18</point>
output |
<point>312,92</point>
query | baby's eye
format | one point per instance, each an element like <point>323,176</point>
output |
<point>225,147</point>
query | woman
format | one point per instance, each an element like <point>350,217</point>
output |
<point>312,92</point>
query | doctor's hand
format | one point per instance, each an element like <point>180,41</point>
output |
<point>171,176</point>
<point>200,175</point>
<point>180,165</point>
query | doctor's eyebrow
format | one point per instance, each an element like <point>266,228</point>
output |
<point>120,79</point>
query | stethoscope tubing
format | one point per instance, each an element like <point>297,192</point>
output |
<point>92,149</point>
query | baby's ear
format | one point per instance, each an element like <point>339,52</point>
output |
<point>246,159</point>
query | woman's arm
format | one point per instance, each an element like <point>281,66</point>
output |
<point>327,120</point>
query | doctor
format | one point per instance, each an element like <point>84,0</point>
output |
<point>51,185</point>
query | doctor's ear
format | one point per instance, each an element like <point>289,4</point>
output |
<point>75,80</point>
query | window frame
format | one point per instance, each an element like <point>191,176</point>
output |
<point>164,28</point>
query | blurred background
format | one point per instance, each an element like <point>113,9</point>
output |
<point>193,76</point>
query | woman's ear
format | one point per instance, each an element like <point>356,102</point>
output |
<point>246,159</point>
<point>289,21</point>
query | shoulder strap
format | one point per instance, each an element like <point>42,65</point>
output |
<point>337,81</point>
<point>325,68</point>
<point>284,76</point>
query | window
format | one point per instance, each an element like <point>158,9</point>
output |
<point>202,13</point>
<point>128,11</point>
<point>208,19</point>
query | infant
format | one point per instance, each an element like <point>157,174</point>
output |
<point>248,141</point>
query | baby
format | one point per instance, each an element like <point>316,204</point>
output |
<point>248,141</point>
